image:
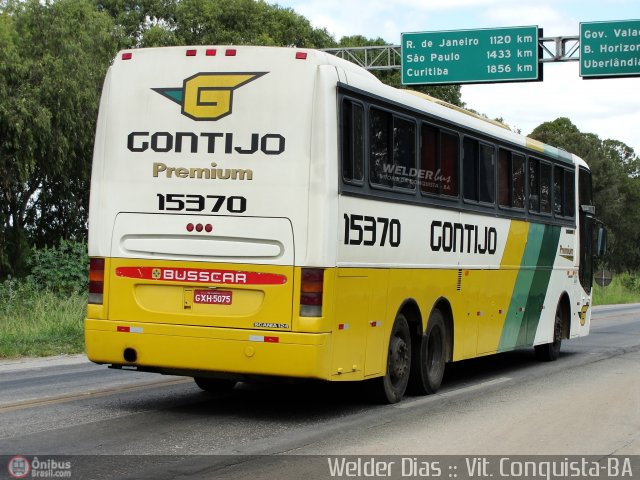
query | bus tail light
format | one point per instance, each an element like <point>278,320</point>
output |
<point>96,280</point>
<point>311,289</point>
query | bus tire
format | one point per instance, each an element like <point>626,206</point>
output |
<point>392,386</point>
<point>430,358</point>
<point>214,385</point>
<point>549,352</point>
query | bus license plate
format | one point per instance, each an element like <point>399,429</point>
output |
<point>212,297</point>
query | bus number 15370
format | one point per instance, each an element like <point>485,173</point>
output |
<point>366,230</point>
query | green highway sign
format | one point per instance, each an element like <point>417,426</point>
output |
<point>471,56</point>
<point>610,49</point>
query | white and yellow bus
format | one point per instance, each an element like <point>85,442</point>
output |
<point>280,212</point>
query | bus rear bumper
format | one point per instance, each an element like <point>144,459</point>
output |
<point>193,349</point>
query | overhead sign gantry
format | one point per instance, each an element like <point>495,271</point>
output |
<point>608,49</point>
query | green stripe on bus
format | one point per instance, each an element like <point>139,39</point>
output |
<point>530,287</point>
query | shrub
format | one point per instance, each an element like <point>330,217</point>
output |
<point>630,282</point>
<point>62,269</point>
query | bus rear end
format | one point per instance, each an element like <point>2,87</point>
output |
<point>198,215</point>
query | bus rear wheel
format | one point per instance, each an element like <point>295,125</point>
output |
<point>551,351</point>
<point>430,357</point>
<point>392,386</point>
<point>214,385</point>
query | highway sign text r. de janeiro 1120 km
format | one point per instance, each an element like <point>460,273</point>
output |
<point>471,56</point>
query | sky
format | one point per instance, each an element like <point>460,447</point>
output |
<point>609,108</point>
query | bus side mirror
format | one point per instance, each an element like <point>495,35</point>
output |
<point>602,242</point>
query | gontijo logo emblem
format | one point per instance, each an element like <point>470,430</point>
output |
<point>208,96</point>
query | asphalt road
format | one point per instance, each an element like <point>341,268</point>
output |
<point>586,403</point>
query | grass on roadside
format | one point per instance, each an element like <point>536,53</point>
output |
<point>622,289</point>
<point>35,322</point>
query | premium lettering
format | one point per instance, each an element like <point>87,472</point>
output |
<point>213,173</point>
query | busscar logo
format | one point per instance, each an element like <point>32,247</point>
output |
<point>208,96</point>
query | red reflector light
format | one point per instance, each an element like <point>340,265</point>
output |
<point>199,227</point>
<point>211,52</point>
<point>301,55</point>
<point>311,290</point>
<point>230,52</point>
<point>127,56</point>
<point>191,53</point>
<point>312,280</point>
<point>190,227</point>
<point>96,280</point>
<point>313,299</point>
<point>208,228</point>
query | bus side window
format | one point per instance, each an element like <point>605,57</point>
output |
<point>569,193</point>
<point>449,153</point>
<point>518,180</point>
<point>352,142</point>
<point>404,153</point>
<point>545,187</point>
<point>539,186</point>
<point>504,178</point>
<point>381,169</point>
<point>563,192</point>
<point>439,161</point>
<point>479,164</point>
<point>510,179</point>
<point>534,186</point>
<point>470,168</point>
<point>429,159</point>
<point>392,150</point>
<point>558,190</point>
<point>487,169</point>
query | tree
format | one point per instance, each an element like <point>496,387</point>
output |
<point>53,60</point>
<point>245,22</point>
<point>141,19</point>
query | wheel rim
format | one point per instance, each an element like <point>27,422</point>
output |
<point>557,329</point>
<point>434,351</point>
<point>399,360</point>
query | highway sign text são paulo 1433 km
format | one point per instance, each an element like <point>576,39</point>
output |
<point>471,56</point>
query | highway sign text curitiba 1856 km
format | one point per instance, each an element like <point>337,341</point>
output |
<point>471,56</point>
<point>610,49</point>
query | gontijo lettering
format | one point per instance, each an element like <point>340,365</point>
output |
<point>162,142</point>
<point>463,238</point>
